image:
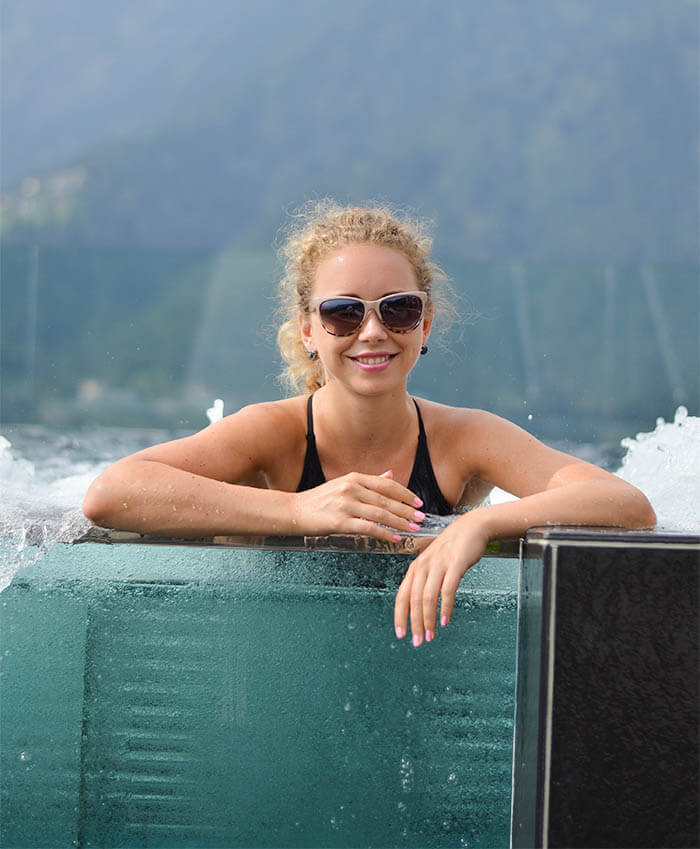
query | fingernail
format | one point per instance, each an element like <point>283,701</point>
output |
<point>443,621</point>
<point>397,537</point>
<point>428,636</point>
<point>418,516</point>
<point>416,640</point>
<point>413,526</point>
<point>400,633</point>
<point>417,502</point>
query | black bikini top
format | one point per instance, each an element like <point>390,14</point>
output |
<point>422,480</point>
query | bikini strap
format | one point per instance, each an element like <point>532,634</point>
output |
<point>312,473</point>
<point>423,481</point>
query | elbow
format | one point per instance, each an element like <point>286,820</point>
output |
<point>96,506</point>
<point>642,515</point>
<point>647,517</point>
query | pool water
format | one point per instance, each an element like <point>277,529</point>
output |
<point>179,696</point>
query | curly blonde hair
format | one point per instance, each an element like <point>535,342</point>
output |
<point>322,227</point>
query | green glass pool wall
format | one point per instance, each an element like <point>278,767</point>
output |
<point>182,696</point>
<point>529,670</point>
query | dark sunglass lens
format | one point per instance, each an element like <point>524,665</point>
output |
<point>402,312</point>
<point>341,316</point>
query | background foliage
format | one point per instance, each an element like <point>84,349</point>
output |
<point>151,151</point>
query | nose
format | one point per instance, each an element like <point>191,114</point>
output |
<point>372,327</point>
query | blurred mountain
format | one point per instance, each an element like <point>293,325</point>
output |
<point>78,73</point>
<point>549,130</point>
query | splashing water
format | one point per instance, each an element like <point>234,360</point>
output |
<point>216,413</point>
<point>41,498</point>
<point>37,511</point>
<point>665,465</point>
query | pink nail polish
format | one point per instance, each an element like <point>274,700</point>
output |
<point>443,621</point>
<point>417,502</point>
<point>428,636</point>
<point>397,537</point>
<point>400,633</point>
<point>413,526</point>
<point>418,516</point>
<point>416,640</point>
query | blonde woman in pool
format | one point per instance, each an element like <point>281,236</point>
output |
<point>355,453</point>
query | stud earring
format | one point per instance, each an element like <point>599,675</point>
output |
<point>312,355</point>
<point>423,349</point>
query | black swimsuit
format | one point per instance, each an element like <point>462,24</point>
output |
<point>422,480</point>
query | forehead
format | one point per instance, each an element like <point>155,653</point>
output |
<point>364,270</point>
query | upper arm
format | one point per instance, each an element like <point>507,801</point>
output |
<point>235,449</point>
<point>517,462</point>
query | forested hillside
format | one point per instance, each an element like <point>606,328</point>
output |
<point>554,142</point>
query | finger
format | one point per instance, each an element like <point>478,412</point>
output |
<point>366,528</point>
<point>431,593</point>
<point>447,597</point>
<point>386,484</point>
<point>416,607</point>
<point>369,512</point>
<point>401,606</point>
<point>383,509</point>
<point>381,492</point>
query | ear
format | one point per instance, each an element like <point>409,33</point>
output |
<point>304,320</point>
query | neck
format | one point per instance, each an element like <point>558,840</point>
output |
<point>364,421</point>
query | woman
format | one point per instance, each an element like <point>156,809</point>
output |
<point>356,453</point>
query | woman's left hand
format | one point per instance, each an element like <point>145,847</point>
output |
<point>435,574</point>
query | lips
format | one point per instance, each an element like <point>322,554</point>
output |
<point>372,362</point>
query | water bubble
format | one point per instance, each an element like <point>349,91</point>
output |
<point>347,706</point>
<point>451,778</point>
<point>25,756</point>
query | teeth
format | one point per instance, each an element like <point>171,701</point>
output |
<point>372,361</point>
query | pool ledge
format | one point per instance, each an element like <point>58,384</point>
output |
<point>351,543</point>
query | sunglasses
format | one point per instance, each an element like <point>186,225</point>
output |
<point>399,313</point>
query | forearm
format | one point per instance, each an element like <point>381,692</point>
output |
<point>151,497</point>
<point>605,503</point>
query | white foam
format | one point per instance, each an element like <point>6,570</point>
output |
<point>665,465</point>
<point>38,510</point>
<point>216,413</point>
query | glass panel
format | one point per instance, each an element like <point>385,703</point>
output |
<point>239,698</point>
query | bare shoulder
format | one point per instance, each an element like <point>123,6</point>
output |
<point>443,421</point>
<point>481,425</point>
<point>240,447</point>
<point>488,447</point>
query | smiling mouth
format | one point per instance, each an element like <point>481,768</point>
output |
<point>373,360</point>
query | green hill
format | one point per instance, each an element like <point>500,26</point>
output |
<point>555,143</point>
<point>550,130</point>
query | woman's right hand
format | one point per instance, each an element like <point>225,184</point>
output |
<point>358,504</point>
